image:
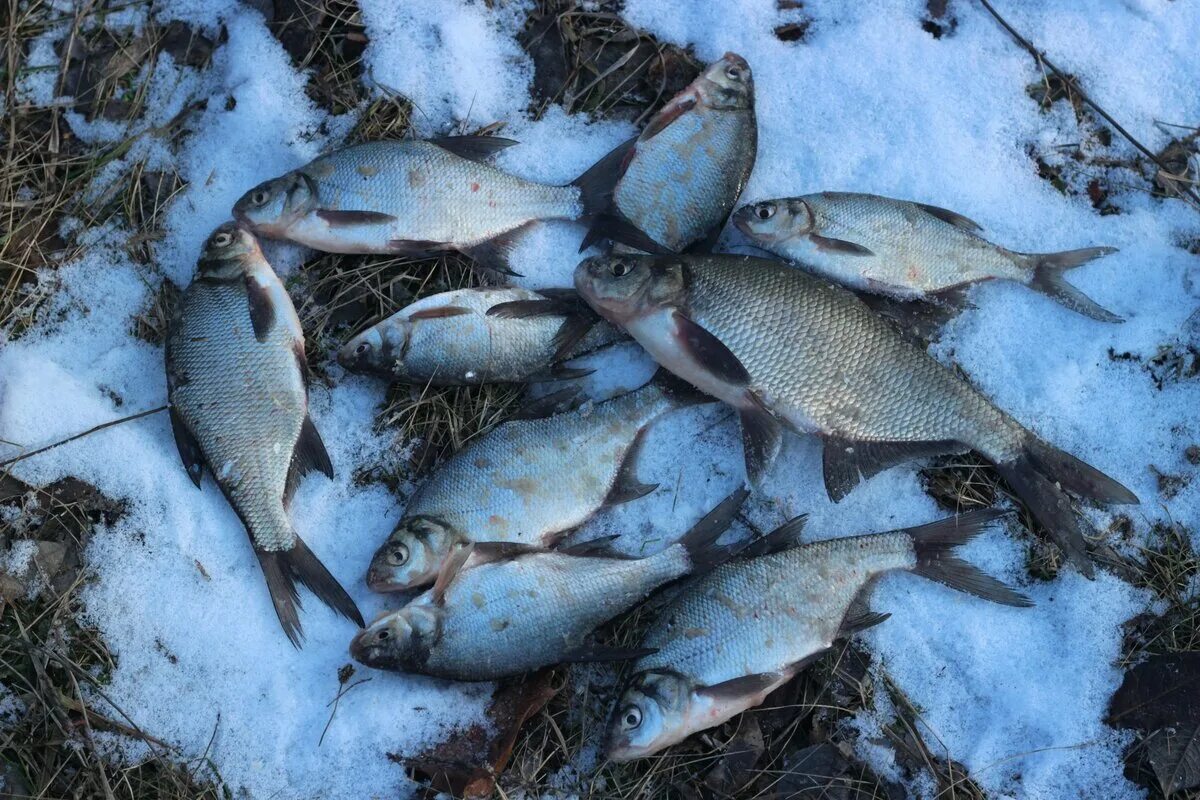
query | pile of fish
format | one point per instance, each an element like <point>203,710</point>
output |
<point>787,342</point>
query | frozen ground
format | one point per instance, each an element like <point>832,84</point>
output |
<point>867,102</point>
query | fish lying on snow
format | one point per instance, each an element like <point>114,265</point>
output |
<point>515,608</point>
<point>454,338</point>
<point>785,348</point>
<point>903,249</point>
<point>413,198</point>
<point>747,627</point>
<point>676,183</point>
<point>527,481</point>
<point>239,406</point>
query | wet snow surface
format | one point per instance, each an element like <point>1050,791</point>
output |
<point>868,101</point>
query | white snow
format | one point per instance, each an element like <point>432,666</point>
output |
<point>867,102</point>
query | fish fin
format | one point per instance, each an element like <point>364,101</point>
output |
<point>262,310</point>
<point>599,652</point>
<point>709,351</point>
<point>473,148</point>
<point>597,184</point>
<point>839,246</point>
<point>848,461</point>
<point>666,115</point>
<point>439,313</point>
<point>876,286</point>
<point>1077,476</point>
<point>487,552</point>
<point>762,436</point>
<point>284,568</point>
<point>416,248</point>
<point>934,545</point>
<point>527,309</point>
<point>614,226</point>
<point>705,244</point>
<point>1048,269</point>
<point>600,547</point>
<point>578,318</point>
<point>700,541</point>
<point>681,393</point>
<point>560,402</point>
<point>785,536</point>
<point>855,623</point>
<point>920,321</point>
<point>493,255</point>
<point>745,686</point>
<point>343,219</point>
<point>574,327</point>
<point>189,448</point>
<point>308,454</point>
<point>955,219</point>
<point>628,488</point>
<point>451,565</point>
<point>559,373</point>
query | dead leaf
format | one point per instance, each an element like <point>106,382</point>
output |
<point>1161,698</point>
<point>735,769</point>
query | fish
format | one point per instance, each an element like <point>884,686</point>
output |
<point>790,350</point>
<point>527,481</point>
<point>413,198</point>
<point>238,392</point>
<point>744,629</point>
<point>477,336</point>
<point>676,182</point>
<point>501,609</point>
<point>905,250</point>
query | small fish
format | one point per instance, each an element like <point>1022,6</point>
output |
<point>236,379</point>
<point>475,336</point>
<point>787,349</point>
<point>527,481</point>
<point>413,198</point>
<point>676,183</point>
<point>905,250</point>
<point>749,626</point>
<point>515,608</point>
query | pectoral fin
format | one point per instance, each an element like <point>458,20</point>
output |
<point>840,246</point>
<point>599,652</point>
<point>262,310</point>
<point>708,351</point>
<point>666,115</point>
<point>440,312</point>
<point>452,564</point>
<point>343,219</point>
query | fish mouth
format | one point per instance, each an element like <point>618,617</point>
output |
<point>741,220</point>
<point>380,580</point>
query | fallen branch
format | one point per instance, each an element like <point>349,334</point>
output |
<point>88,432</point>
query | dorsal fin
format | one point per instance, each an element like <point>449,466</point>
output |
<point>474,148</point>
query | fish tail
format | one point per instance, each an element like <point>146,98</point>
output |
<point>934,545</point>
<point>284,568</point>
<point>701,541</point>
<point>597,184</point>
<point>1048,269</point>
<point>1041,475</point>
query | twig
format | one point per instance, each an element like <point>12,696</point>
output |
<point>1041,59</point>
<point>88,432</point>
<point>334,702</point>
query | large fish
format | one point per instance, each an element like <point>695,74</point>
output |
<point>746,628</point>
<point>676,182</point>
<point>527,481</point>
<point>239,406</point>
<point>413,198</point>
<point>785,348</point>
<point>515,608</point>
<point>465,337</point>
<point>903,249</point>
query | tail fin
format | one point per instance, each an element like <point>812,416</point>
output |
<point>701,541</point>
<point>283,568</point>
<point>1048,269</point>
<point>1039,476</point>
<point>597,184</point>
<point>934,545</point>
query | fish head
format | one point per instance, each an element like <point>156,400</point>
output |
<point>652,713</point>
<point>400,640</point>
<point>226,251</point>
<point>727,84</point>
<point>772,221</point>
<point>626,287</point>
<point>412,555</point>
<point>378,350</point>
<point>273,206</point>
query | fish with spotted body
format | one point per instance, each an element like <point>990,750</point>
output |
<point>787,349</point>
<point>905,250</point>
<point>236,379</point>
<point>744,629</point>
<point>503,609</point>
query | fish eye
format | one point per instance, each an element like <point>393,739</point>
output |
<point>382,636</point>
<point>631,717</point>
<point>733,73</point>
<point>621,268</point>
<point>765,210</point>
<point>398,555</point>
<point>222,239</point>
<point>259,198</point>
<point>362,348</point>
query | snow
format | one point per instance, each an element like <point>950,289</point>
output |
<point>867,102</point>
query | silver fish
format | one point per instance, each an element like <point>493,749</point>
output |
<point>749,626</point>
<point>515,608</point>
<point>676,182</point>
<point>527,481</point>
<point>475,336</point>
<point>239,406</point>
<point>785,348</point>
<point>413,198</point>
<point>903,249</point>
